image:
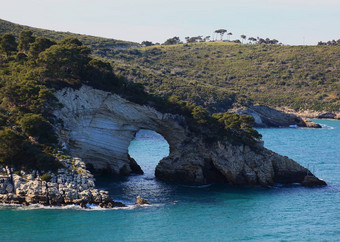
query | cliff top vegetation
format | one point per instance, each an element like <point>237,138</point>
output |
<point>33,67</point>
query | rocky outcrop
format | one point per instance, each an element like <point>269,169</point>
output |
<point>269,117</point>
<point>98,127</point>
<point>141,201</point>
<point>71,185</point>
<point>312,114</point>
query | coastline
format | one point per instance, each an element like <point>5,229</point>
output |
<point>311,114</point>
<point>71,185</point>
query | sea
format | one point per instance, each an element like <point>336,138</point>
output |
<point>181,212</point>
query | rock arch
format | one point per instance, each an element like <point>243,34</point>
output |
<point>98,127</point>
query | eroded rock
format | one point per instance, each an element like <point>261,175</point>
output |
<point>99,126</point>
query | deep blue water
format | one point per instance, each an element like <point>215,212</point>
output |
<point>202,213</point>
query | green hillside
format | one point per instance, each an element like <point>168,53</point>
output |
<point>217,74</point>
<point>98,45</point>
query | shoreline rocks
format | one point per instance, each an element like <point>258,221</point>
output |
<point>265,116</point>
<point>312,114</point>
<point>141,201</point>
<point>72,184</point>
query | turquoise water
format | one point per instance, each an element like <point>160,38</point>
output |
<point>203,213</point>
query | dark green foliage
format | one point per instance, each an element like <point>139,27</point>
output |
<point>36,125</point>
<point>172,41</point>
<point>8,43</point>
<point>147,43</point>
<point>11,147</point>
<point>26,96</point>
<point>99,74</point>
<point>46,162</point>
<point>25,39</point>
<point>39,45</point>
<point>65,62</point>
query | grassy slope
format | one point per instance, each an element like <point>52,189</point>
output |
<point>218,74</point>
<point>98,44</point>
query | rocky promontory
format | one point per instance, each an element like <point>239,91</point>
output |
<point>98,126</point>
<point>72,184</point>
<point>269,117</point>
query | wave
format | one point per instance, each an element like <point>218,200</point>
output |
<point>325,126</point>
<point>90,207</point>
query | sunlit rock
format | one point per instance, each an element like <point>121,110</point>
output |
<point>98,127</point>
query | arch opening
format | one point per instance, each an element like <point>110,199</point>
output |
<point>147,149</point>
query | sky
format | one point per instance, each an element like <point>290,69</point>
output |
<point>294,22</point>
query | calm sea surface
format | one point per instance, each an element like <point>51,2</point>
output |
<point>201,213</point>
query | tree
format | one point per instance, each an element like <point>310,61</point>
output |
<point>37,126</point>
<point>11,147</point>
<point>172,41</point>
<point>8,43</point>
<point>252,39</point>
<point>66,61</point>
<point>147,43</point>
<point>229,34</point>
<point>221,32</point>
<point>243,37</point>
<point>194,39</point>
<point>26,95</point>
<point>39,45</point>
<point>274,41</point>
<point>207,38</point>
<point>25,39</point>
<point>71,41</point>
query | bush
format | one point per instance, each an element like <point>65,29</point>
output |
<point>37,126</point>
<point>46,177</point>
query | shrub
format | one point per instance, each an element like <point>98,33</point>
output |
<point>46,177</point>
<point>36,125</point>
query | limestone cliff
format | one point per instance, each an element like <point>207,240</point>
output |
<point>269,117</point>
<point>98,127</point>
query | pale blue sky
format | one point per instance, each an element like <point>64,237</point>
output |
<point>289,21</point>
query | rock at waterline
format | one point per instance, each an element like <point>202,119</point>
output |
<point>312,181</point>
<point>141,201</point>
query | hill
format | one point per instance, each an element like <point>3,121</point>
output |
<point>99,45</point>
<point>218,74</point>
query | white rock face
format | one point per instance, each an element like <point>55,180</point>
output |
<point>99,126</point>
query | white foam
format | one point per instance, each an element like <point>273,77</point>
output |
<point>90,207</point>
<point>325,126</point>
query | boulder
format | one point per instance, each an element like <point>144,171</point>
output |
<point>312,181</point>
<point>141,201</point>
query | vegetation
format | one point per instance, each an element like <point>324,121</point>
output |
<point>46,177</point>
<point>333,42</point>
<point>217,74</point>
<point>30,74</point>
<point>99,45</point>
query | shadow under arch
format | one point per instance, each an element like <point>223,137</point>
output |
<point>147,148</point>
